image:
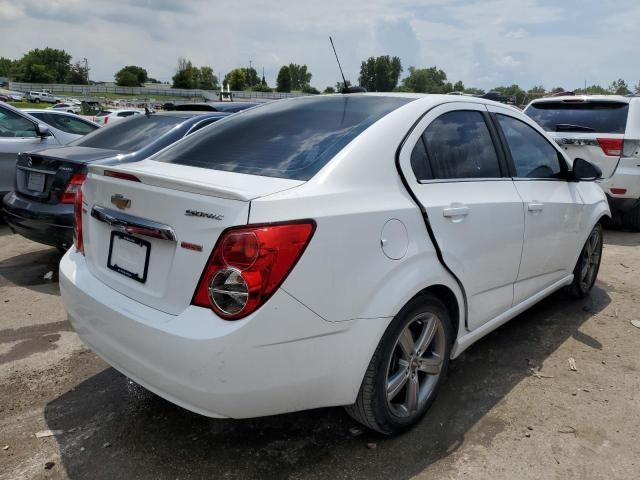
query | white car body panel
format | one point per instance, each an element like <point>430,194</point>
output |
<point>370,254</point>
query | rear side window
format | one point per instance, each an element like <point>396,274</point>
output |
<point>584,117</point>
<point>288,139</point>
<point>533,156</point>
<point>66,123</point>
<point>131,134</point>
<point>459,145</point>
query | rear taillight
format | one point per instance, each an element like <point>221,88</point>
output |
<point>248,265</point>
<point>106,119</point>
<point>77,222</point>
<point>69,195</point>
<point>618,191</point>
<point>612,147</point>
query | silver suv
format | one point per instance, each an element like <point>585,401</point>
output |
<point>605,130</point>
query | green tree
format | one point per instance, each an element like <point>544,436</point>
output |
<point>47,65</point>
<point>474,91</point>
<point>593,89</point>
<point>131,76</point>
<point>236,79</point>
<point>425,80</point>
<point>619,87</point>
<point>208,81</point>
<point>251,78</point>
<point>300,76</point>
<point>329,89</point>
<point>637,88</point>
<point>184,77</point>
<point>458,86</point>
<point>380,74</point>
<point>79,74</point>
<point>262,87</point>
<point>537,90</point>
<point>283,82</point>
<point>9,68</point>
<point>514,91</point>
<point>309,89</point>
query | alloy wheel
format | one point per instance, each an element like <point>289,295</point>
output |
<point>415,364</point>
<point>591,259</point>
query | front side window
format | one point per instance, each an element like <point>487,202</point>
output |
<point>13,125</point>
<point>459,145</point>
<point>533,156</point>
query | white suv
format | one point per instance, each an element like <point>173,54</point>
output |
<point>329,250</point>
<point>604,129</point>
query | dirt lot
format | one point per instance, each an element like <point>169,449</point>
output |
<point>511,408</point>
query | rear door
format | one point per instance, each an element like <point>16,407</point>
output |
<point>455,166</point>
<point>553,207</point>
<point>584,128</point>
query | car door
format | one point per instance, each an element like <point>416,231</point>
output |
<point>552,205</point>
<point>17,134</point>
<point>456,169</point>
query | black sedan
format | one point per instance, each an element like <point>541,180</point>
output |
<point>41,207</point>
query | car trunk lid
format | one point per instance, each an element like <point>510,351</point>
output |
<point>149,228</point>
<point>43,176</point>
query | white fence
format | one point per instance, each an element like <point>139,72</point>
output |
<point>143,92</point>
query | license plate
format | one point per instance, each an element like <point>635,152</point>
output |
<point>129,256</point>
<point>35,182</point>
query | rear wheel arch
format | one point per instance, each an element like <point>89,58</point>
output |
<point>450,301</point>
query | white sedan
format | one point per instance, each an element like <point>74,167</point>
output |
<point>106,117</point>
<point>330,250</point>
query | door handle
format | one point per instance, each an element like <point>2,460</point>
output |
<point>535,207</point>
<point>456,211</point>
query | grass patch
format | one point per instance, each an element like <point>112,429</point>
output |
<point>41,105</point>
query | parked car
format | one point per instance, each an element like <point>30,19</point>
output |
<point>67,107</point>
<point>41,207</point>
<point>37,97</point>
<point>603,129</point>
<point>105,117</point>
<point>20,132</point>
<point>329,250</point>
<point>61,120</point>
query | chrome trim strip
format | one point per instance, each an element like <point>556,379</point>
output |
<point>133,225</point>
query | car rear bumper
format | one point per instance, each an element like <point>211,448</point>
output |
<point>625,184</point>
<point>282,358</point>
<point>40,222</point>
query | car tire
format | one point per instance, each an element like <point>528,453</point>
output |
<point>631,219</point>
<point>587,267</point>
<point>384,403</point>
<point>37,100</point>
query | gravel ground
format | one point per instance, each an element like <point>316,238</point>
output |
<point>511,408</point>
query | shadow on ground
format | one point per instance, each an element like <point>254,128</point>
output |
<point>621,238</point>
<point>29,270</point>
<point>147,437</point>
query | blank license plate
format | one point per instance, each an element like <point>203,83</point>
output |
<point>129,256</point>
<point>36,182</point>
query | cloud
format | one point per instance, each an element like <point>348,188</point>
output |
<point>484,43</point>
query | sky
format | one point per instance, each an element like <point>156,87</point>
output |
<point>484,43</point>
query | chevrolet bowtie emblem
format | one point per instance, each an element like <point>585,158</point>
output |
<point>120,201</point>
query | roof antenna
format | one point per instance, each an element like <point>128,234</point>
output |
<point>345,87</point>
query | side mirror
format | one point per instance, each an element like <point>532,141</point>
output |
<point>585,171</point>
<point>43,130</point>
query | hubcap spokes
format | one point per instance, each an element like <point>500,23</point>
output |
<point>415,364</point>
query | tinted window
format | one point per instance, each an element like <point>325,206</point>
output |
<point>131,134</point>
<point>66,123</point>
<point>13,125</point>
<point>532,154</point>
<point>126,114</point>
<point>599,117</point>
<point>287,138</point>
<point>459,145</point>
<point>419,161</point>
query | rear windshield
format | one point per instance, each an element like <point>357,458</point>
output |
<point>287,139</point>
<point>584,117</point>
<point>131,134</point>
